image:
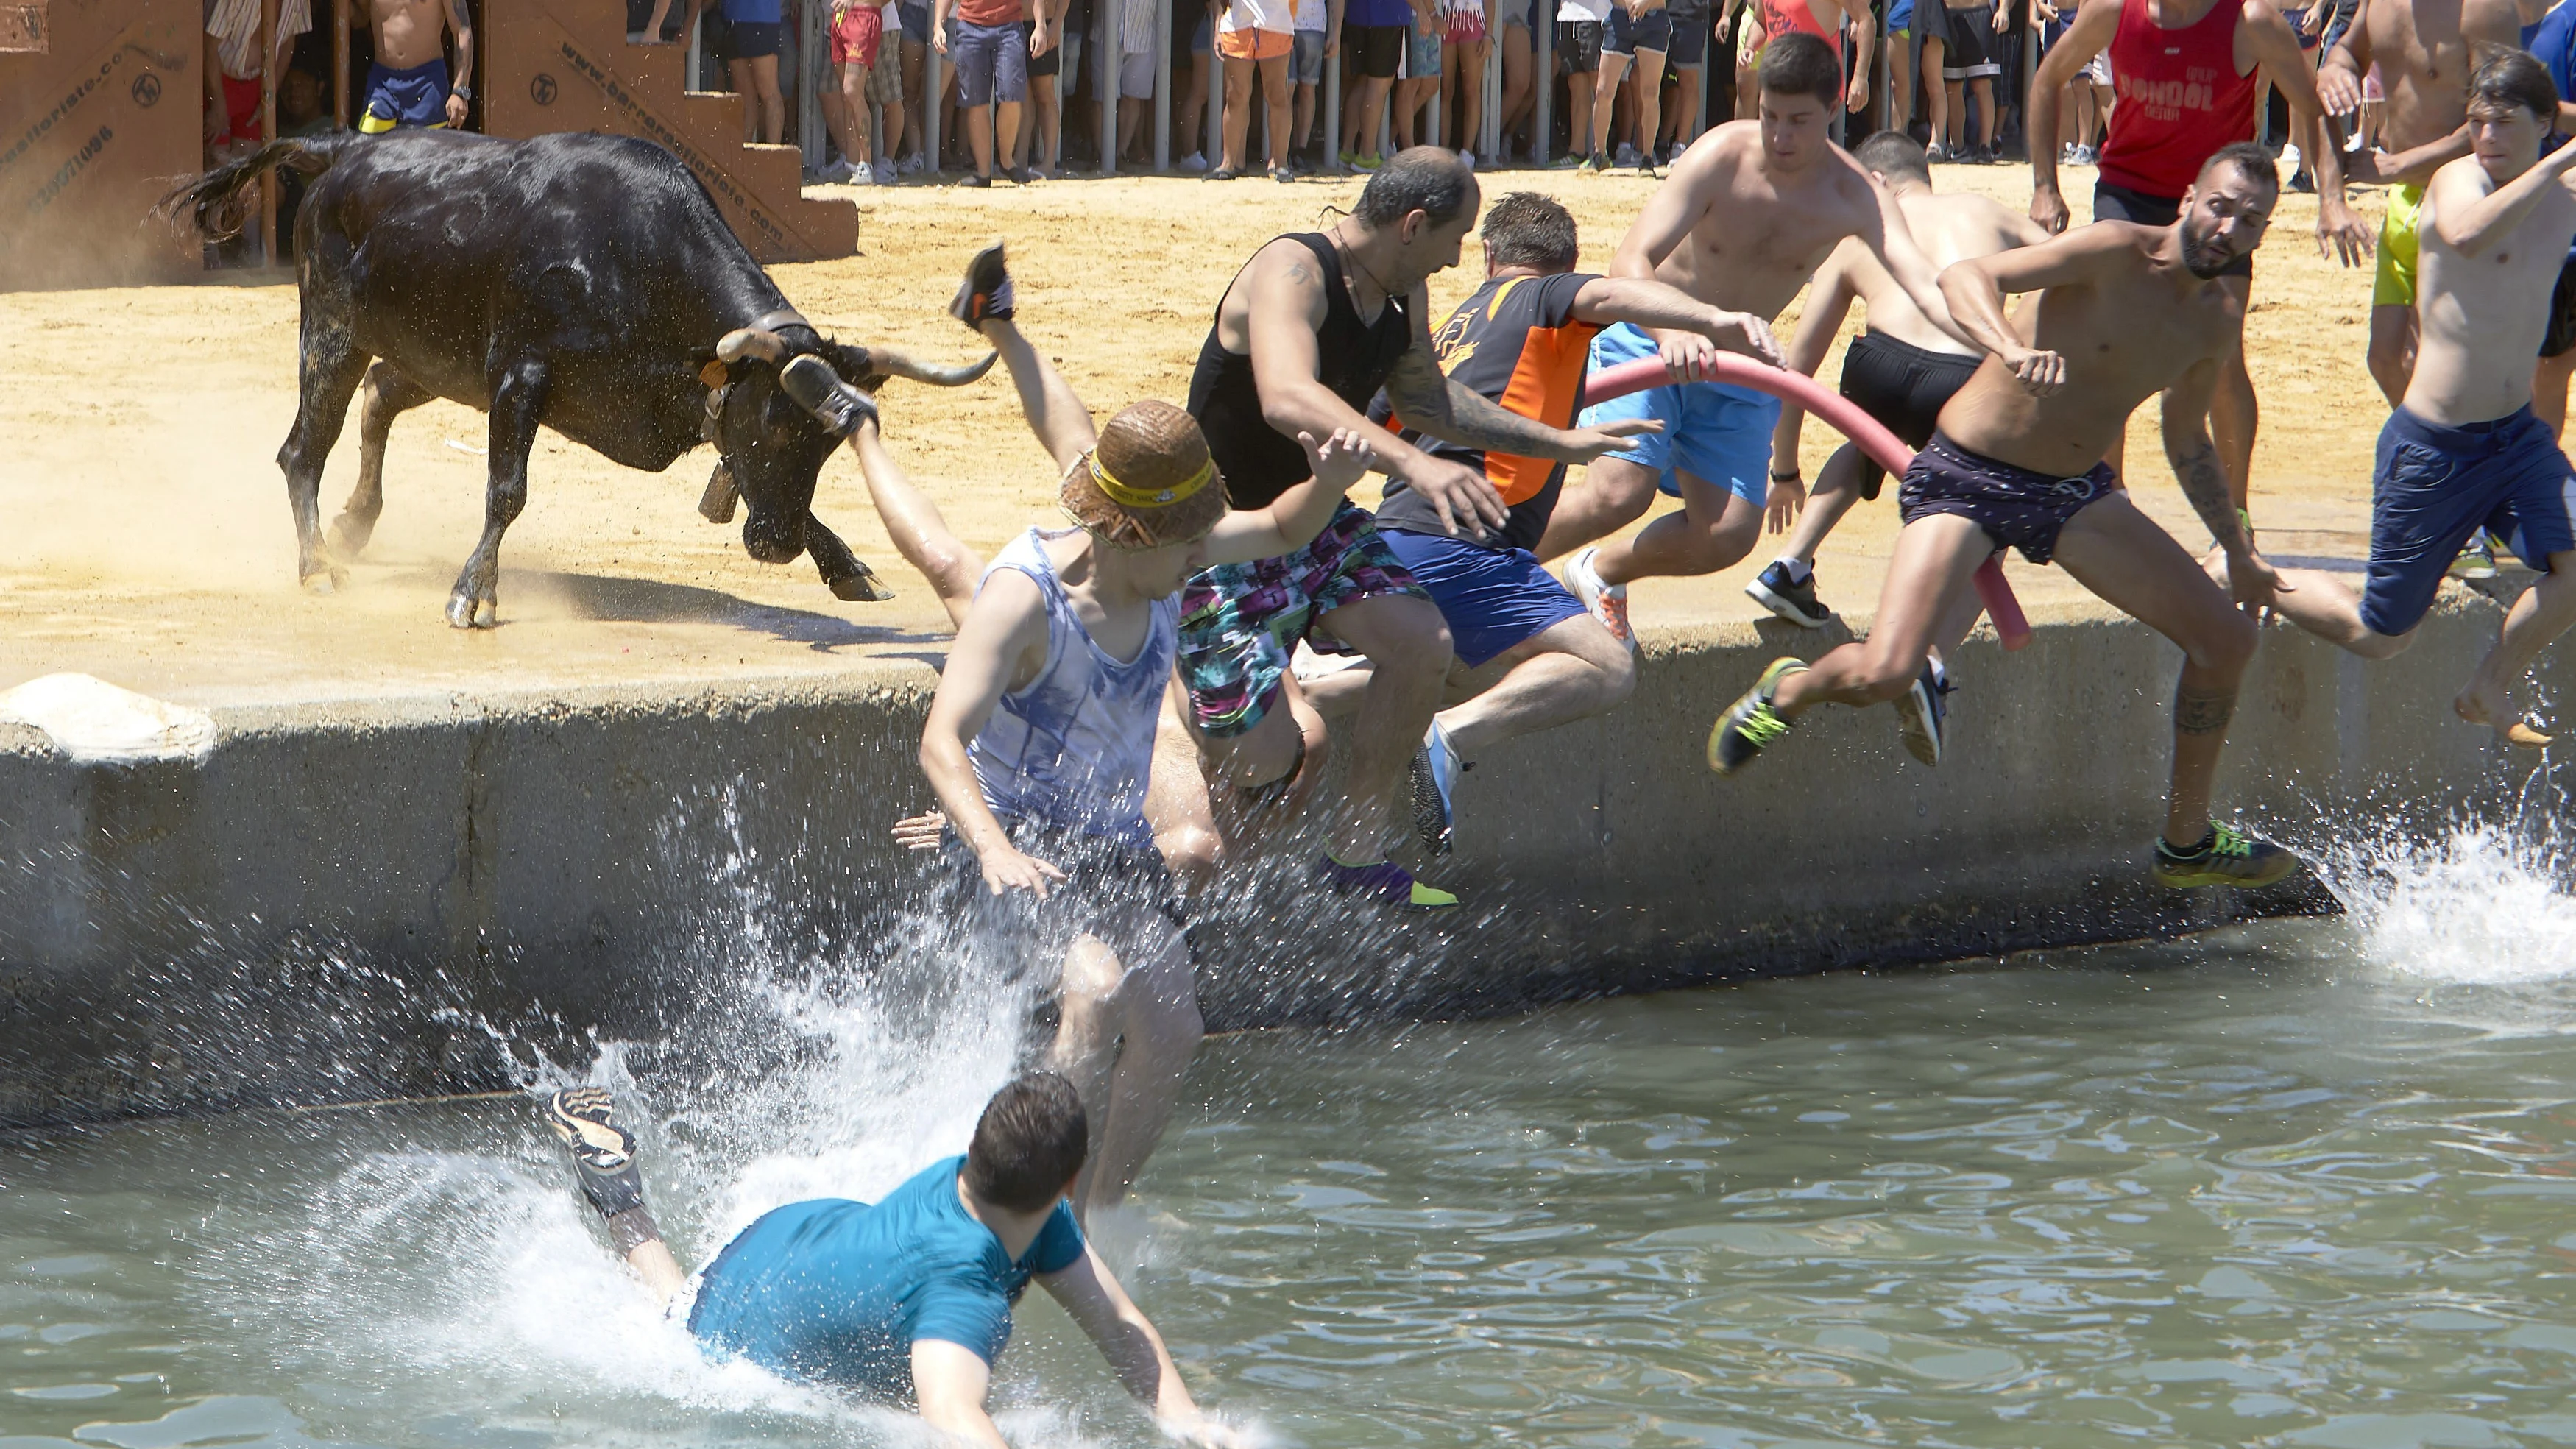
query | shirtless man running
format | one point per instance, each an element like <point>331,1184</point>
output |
<point>2422,49</point>
<point>1901,371</point>
<point>2123,312</point>
<point>408,84</point>
<point>1751,210</point>
<point>2463,449</point>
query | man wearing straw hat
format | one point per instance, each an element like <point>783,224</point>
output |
<point>1041,737</point>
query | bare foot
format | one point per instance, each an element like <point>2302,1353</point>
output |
<point>2480,706</point>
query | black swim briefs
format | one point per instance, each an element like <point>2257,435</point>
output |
<point>1903,386</point>
<point>2015,506</point>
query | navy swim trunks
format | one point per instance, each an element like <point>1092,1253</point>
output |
<point>1492,598</point>
<point>2015,506</point>
<point>414,97</point>
<point>2436,484</point>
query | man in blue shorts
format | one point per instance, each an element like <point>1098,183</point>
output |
<point>2463,450</point>
<point>407,85</point>
<point>910,1297</point>
<point>1528,657</point>
<point>1748,214</point>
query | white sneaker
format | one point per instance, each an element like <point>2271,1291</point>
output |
<point>2291,160</point>
<point>1194,162</point>
<point>1607,603</point>
<point>909,165</point>
<point>1467,159</point>
<point>1627,155</point>
<point>2066,154</point>
<point>859,175</point>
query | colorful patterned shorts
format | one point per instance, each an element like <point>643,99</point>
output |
<point>1239,621</point>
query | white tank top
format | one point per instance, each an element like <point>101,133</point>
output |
<point>1071,751</point>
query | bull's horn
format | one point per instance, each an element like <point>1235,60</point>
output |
<point>745,342</point>
<point>895,364</point>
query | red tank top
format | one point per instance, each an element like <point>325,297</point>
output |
<point>2180,98</point>
<point>1779,17</point>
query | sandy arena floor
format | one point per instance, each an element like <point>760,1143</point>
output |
<point>153,546</point>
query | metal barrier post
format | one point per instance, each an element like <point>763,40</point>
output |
<point>269,191</point>
<point>810,58</point>
<point>1162,85</point>
<point>1104,49</point>
<point>1215,127</point>
<point>340,63</point>
<point>1333,114</point>
<point>933,80</point>
<point>1543,81</point>
<point>1489,139</point>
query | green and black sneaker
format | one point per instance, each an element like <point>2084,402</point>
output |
<point>603,1153</point>
<point>1750,723</point>
<point>2224,857</point>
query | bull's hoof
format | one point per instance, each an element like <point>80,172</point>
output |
<point>466,612</point>
<point>862,587</point>
<point>323,583</point>
<point>349,535</point>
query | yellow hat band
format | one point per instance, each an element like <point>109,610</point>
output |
<point>1128,497</point>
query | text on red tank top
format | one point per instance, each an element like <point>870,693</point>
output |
<point>2180,98</point>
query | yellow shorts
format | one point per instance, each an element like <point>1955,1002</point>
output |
<point>2395,284</point>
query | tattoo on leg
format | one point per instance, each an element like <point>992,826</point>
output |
<point>2203,711</point>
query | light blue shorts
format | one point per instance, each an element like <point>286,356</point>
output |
<point>1714,431</point>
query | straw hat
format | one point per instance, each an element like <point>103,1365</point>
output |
<point>1148,482</point>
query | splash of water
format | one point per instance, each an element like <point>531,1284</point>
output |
<point>2489,901</point>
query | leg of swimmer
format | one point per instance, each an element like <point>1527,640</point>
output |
<point>2129,562</point>
<point>1715,527</point>
<point>1176,801</point>
<point>917,529</point>
<point>2546,610</point>
<point>1837,490</point>
<point>604,1160</point>
<point>1615,493</point>
<point>2319,603</point>
<point>1159,1028</point>
<point>1085,1050</point>
<point>1571,670</point>
<point>1407,640</point>
<point>1934,565</point>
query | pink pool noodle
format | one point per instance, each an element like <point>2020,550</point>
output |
<point>1868,433</point>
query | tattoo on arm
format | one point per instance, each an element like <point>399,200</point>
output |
<point>2206,486</point>
<point>2203,711</point>
<point>1420,394</point>
<point>1477,422</point>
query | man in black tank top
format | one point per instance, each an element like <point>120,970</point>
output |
<point>1307,333</point>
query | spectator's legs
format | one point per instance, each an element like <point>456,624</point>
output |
<point>1579,89</point>
<point>773,108</point>
<point>1614,69</point>
<point>1372,104</point>
<point>1650,101</point>
<point>1043,125</point>
<point>653,27</point>
<point>1984,91</point>
<point>1518,94</point>
<point>1238,111</point>
<point>1303,110</point>
<point>915,63</point>
<point>854,123</point>
<point>1189,117</point>
<point>1936,92</point>
<point>1274,94</point>
<point>1748,78</point>
<point>1682,121</point>
<point>1900,81</point>
<point>1464,69</point>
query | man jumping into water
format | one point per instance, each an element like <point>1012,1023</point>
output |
<point>1902,371</point>
<point>2122,312</point>
<point>1751,210</point>
<point>1306,334</point>
<point>2463,450</point>
<point>911,1297</point>
<point>1040,739</point>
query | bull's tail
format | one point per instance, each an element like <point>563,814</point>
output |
<point>214,200</point>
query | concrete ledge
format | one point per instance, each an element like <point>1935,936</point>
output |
<point>362,899</point>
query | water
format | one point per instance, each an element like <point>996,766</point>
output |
<point>2298,1183</point>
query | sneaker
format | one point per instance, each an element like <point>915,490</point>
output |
<point>2226,857</point>
<point>1605,602</point>
<point>1435,785</point>
<point>1223,173</point>
<point>1934,152</point>
<point>1923,712</point>
<point>2087,156</point>
<point>1566,162</point>
<point>1646,168</point>
<point>986,294</point>
<point>2477,560</point>
<point>1750,723</point>
<point>976,183</point>
<point>1467,159</point>
<point>1282,175</point>
<point>1793,600</point>
<point>603,1153</point>
<point>909,165</point>
<point>1194,162</point>
<point>2066,154</point>
<point>1021,175</point>
<point>859,175</point>
<point>1626,156</point>
<point>1383,879</point>
<point>1596,163</point>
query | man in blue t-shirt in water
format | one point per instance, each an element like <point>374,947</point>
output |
<point>911,1296</point>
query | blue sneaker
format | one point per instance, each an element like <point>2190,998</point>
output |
<point>1923,711</point>
<point>1435,789</point>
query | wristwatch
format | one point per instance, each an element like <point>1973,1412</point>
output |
<point>462,91</point>
<point>1779,477</point>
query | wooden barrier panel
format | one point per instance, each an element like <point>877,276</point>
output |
<point>99,115</point>
<point>564,65</point>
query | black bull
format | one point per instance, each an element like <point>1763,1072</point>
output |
<point>586,283</point>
